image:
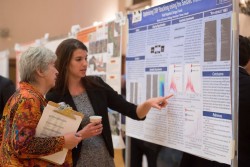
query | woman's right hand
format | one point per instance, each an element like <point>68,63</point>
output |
<point>71,140</point>
<point>90,130</point>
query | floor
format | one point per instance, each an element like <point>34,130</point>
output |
<point>119,162</point>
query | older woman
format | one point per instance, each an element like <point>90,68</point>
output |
<point>19,146</point>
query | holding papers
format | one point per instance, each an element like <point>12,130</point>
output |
<point>58,120</point>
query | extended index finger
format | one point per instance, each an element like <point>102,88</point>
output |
<point>167,97</point>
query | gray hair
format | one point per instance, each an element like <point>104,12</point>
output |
<point>34,58</point>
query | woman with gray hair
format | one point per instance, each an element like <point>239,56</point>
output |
<point>19,145</point>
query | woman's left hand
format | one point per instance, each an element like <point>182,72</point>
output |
<point>90,130</point>
<point>159,102</point>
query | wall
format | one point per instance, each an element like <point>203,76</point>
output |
<point>244,25</point>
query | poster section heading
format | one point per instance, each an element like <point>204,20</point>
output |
<point>177,9</point>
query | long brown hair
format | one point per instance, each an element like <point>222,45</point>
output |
<point>64,54</point>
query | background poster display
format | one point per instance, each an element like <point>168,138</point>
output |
<point>4,63</point>
<point>183,48</point>
<point>104,52</point>
<point>52,45</point>
<point>104,60</point>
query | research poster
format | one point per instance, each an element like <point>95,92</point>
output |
<point>183,48</point>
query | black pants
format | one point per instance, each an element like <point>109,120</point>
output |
<point>140,148</point>
<point>189,160</point>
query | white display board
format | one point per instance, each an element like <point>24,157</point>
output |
<point>52,45</point>
<point>4,63</point>
<point>183,47</point>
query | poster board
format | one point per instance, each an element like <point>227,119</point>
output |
<point>52,45</point>
<point>183,47</point>
<point>4,63</point>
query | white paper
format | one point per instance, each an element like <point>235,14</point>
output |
<point>55,124</point>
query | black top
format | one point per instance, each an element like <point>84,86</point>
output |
<point>101,98</point>
<point>7,88</point>
<point>244,118</point>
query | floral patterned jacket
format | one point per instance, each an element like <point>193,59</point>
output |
<point>19,146</point>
